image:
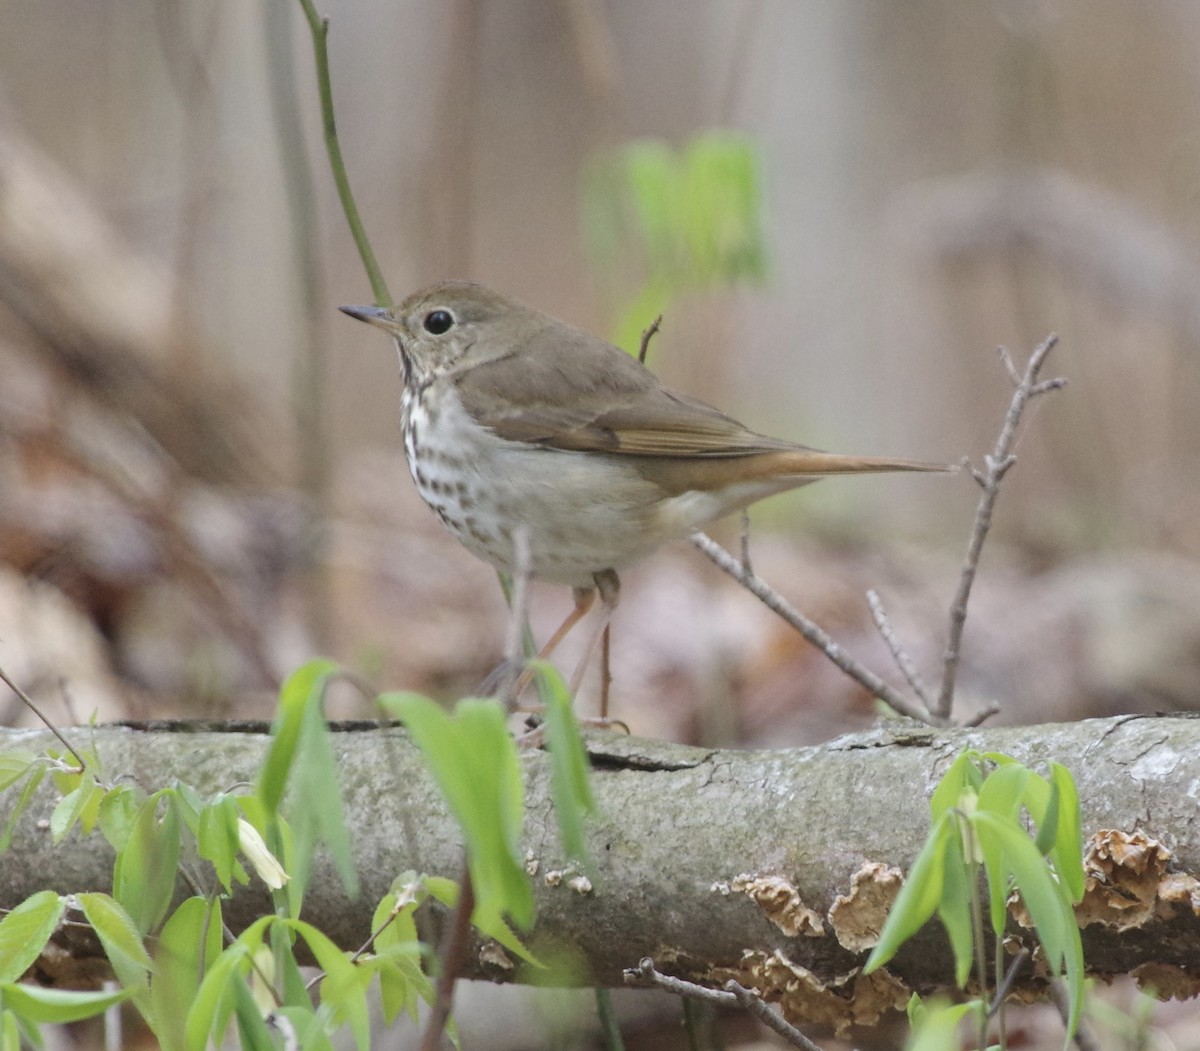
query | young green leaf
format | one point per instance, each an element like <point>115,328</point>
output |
<point>217,837</point>
<point>344,987</point>
<point>31,785</point>
<point>14,765</point>
<point>1003,791</point>
<point>294,699</point>
<point>1049,908</point>
<point>1067,852</point>
<point>569,767</point>
<point>954,908</point>
<point>70,807</point>
<point>962,776</point>
<point>302,751</point>
<point>919,897</point>
<point>474,761</point>
<point>210,1011</point>
<point>25,931</point>
<point>57,1006</point>
<point>122,944</point>
<point>935,1026</point>
<point>118,812</point>
<point>188,942</point>
<point>145,871</point>
<point>253,1032</point>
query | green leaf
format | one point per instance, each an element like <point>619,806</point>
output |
<point>1003,791</point>
<point>474,761</point>
<point>57,1006</point>
<point>954,908</point>
<point>344,987</point>
<point>213,1005</point>
<point>217,837</point>
<point>402,928</point>
<point>920,895</point>
<point>569,767</point>
<point>146,869</point>
<point>189,941</point>
<point>963,775</point>
<point>1047,820</point>
<point>999,876</point>
<point>14,765</point>
<point>1068,839</point>
<point>25,931</point>
<point>70,807</point>
<point>118,813</point>
<point>10,1032</point>
<point>294,699</point>
<point>302,751</point>
<point>692,215</point>
<point>935,1025</point>
<point>288,976</point>
<point>253,1032</point>
<point>121,940</point>
<point>1048,905</point>
<point>31,785</point>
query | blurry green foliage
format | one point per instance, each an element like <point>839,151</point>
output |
<point>691,216</point>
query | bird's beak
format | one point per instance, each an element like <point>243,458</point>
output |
<point>371,315</point>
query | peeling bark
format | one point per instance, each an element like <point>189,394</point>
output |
<point>774,868</point>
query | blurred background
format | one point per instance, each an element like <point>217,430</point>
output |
<point>201,476</point>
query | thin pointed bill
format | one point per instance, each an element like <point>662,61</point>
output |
<point>371,315</point>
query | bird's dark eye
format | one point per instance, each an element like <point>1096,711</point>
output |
<point>438,321</point>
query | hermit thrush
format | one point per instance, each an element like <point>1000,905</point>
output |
<point>516,421</point>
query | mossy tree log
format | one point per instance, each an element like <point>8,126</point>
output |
<point>772,867</point>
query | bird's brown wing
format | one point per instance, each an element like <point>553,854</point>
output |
<point>585,394</point>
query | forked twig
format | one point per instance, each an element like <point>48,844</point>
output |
<point>811,631</point>
<point>997,464</point>
<point>733,995</point>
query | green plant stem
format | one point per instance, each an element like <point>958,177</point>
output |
<point>320,33</point>
<point>980,949</point>
<point>610,1030</point>
<point>1001,994</point>
<point>693,1025</point>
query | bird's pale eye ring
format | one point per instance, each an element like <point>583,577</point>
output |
<point>438,322</point>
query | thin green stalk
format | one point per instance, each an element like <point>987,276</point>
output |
<point>980,951</point>
<point>610,1030</point>
<point>1001,994</point>
<point>320,33</point>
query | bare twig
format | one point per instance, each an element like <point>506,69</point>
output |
<point>28,702</point>
<point>746,541</point>
<point>647,336</point>
<point>898,652</point>
<point>997,465</point>
<point>1010,976</point>
<point>814,634</point>
<point>733,995</point>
